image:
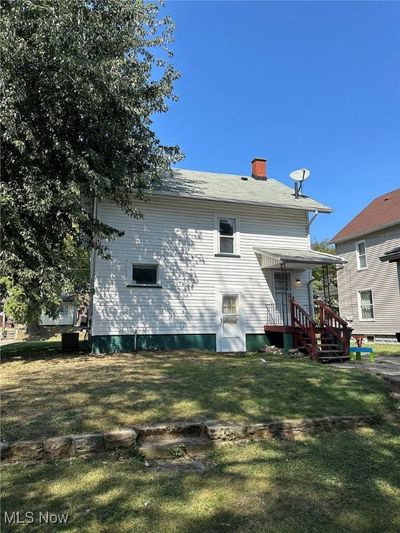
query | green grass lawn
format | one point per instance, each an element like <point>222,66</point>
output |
<point>55,395</point>
<point>341,482</point>
<point>385,349</point>
<point>33,349</point>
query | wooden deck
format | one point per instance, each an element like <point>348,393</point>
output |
<point>279,329</point>
<point>326,340</point>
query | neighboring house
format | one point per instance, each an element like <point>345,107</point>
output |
<point>214,259</point>
<point>67,316</point>
<point>369,287</point>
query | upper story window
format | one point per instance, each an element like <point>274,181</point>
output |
<point>227,232</point>
<point>361,253</point>
<point>144,275</point>
<point>366,305</point>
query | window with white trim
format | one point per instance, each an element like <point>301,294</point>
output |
<point>227,234</point>
<point>366,310</point>
<point>144,275</point>
<point>361,252</point>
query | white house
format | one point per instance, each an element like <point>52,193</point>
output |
<point>67,316</point>
<point>214,258</point>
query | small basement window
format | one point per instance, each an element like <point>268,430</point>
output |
<point>144,275</point>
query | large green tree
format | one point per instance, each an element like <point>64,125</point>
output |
<point>80,83</point>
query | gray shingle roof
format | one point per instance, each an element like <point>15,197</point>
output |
<point>233,188</point>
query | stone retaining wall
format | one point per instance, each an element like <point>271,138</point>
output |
<point>90,444</point>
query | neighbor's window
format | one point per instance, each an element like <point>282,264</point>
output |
<point>361,255</point>
<point>144,274</point>
<point>227,230</point>
<point>366,305</point>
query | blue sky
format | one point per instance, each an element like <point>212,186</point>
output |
<point>314,84</point>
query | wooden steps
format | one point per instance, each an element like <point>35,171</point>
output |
<point>325,341</point>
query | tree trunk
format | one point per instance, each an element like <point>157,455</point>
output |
<point>33,329</point>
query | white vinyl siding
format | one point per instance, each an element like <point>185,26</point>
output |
<point>382,278</point>
<point>180,236</point>
<point>361,253</point>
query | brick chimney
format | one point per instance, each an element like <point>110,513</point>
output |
<point>259,168</point>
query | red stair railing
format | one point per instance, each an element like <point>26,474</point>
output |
<point>304,325</point>
<point>335,325</point>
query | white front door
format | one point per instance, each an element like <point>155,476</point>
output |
<point>231,334</point>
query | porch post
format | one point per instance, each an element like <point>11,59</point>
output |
<point>326,284</point>
<point>287,336</point>
<point>285,310</point>
<point>287,341</point>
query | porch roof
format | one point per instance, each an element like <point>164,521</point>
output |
<point>391,255</point>
<point>294,258</point>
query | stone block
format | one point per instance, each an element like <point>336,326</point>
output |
<point>58,447</point>
<point>173,428</point>
<point>87,444</point>
<point>4,450</point>
<point>326,423</point>
<point>119,438</point>
<point>257,431</point>
<point>226,432</point>
<point>27,450</point>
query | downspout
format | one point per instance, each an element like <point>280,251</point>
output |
<point>92,274</point>
<point>283,296</point>
<point>310,299</point>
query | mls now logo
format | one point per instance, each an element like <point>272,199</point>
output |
<point>29,517</point>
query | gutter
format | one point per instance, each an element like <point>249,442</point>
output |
<point>390,257</point>
<point>310,294</point>
<point>311,220</point>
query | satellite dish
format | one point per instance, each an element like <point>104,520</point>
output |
<point>300,175</point>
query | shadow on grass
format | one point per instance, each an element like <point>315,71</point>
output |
<point>36,350</point>
<point>71,395</point>
<point>338,482</point>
